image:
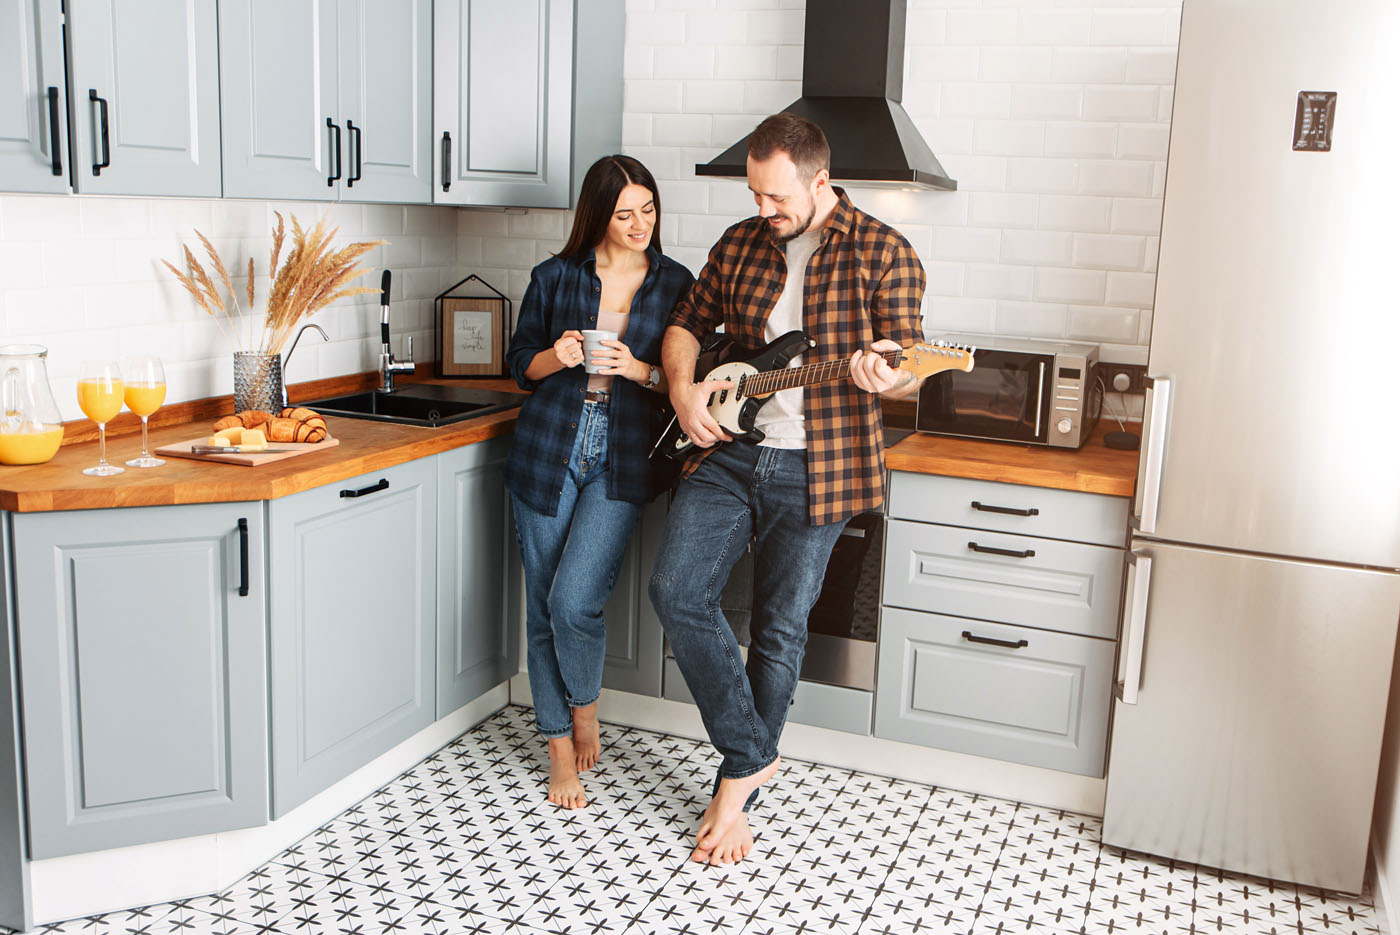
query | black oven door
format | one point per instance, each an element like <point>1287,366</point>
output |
<point>1006,396</point>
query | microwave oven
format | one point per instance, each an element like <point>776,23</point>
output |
<point>1018,390</point>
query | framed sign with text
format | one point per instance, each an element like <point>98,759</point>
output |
<point>472,331</point>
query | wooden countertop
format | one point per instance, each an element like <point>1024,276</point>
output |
<point>364,446</point>
<point>1091,469</point>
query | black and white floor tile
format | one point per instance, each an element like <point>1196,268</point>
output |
<point>466,843</point>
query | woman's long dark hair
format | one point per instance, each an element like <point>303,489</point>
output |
<point>597,200</point>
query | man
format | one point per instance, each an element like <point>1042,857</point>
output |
<point>809,260</point>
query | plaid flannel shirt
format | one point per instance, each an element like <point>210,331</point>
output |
<point>863,283</point>
<point>564,294</point>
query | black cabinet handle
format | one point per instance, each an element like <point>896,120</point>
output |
<point>993,550</point>
<point>987,508</point>
<point>992,641</point>
<point>242,557</point>
<point>357,147</point>
<point>372,488</point>
<point>335,128</point>
<point>446,160</point>
<point>53,131</point>
<point>101,102</point>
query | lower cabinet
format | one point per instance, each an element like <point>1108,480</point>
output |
<point>353,597</point>
<point>634,647</point>
<point>143,669</point>
<point>478,600</point>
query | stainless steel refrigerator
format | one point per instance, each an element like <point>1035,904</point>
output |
<point>1263,597</point>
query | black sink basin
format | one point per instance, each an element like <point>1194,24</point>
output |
<point>426,404</point>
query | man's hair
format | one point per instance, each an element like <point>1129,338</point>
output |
<point>802,140</point>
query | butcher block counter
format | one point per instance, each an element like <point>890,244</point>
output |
<point>1091,469</point>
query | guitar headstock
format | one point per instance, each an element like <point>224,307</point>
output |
<point>927,358</point>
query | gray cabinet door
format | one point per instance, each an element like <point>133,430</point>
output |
<point>351,624</point>
<point>144,96</point>
<point>635,642</point>
<point>478,636</point>
<point>278,64</point>
<point>16,910</point>
<point>33,100</point>
<point>142,659</point>
<point>502,102</point>
<point>386,100</point>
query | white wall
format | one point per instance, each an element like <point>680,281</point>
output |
<point>82,275</point>
<point>1052,116</point>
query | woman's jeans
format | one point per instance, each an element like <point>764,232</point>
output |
<point>741,491</point>
<point>571,561</point>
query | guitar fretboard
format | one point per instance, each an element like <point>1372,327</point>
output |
<point>825,371</point>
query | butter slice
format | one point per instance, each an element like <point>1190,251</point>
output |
<point>230,436</point>
<point>219,441</point>
<point>252,440</point>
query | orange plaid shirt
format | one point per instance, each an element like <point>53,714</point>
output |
<point>863,283</point>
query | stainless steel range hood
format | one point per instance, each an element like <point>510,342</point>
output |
<point>852,84</point>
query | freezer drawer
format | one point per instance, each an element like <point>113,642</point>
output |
<point>1044,703</point>
<point>1033,582</point>
<point>1255,737</point>
<point>1029,511</point>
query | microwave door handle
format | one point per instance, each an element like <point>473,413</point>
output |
<point>1039,399</point>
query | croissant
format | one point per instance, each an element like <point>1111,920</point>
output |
<point>290,430</point>
<point>300,413</point>
<point>247,419</point>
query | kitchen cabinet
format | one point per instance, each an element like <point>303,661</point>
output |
<point>353,597</point>
<point>527,94</point>
<point>478,601</point>
<point>634,639</point>
<point>1000,623</point>
<point>33,103</point>
<point>144,673</point>
<point>143,95</point>
<point>326,99</point>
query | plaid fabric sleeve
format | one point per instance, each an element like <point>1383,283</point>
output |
<point>532,328</point>
<point>702,311</point>
<point>895,307</point>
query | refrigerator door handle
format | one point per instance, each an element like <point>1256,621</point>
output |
<point>1149,483</point>
<point>1135,636</point>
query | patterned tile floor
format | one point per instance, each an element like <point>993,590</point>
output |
<point>465,843</point>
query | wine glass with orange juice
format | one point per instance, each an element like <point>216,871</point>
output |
<point>100,392</point>
<point>144,392</point>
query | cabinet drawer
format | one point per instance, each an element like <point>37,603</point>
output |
<point>1031,511</point>
<point>1043,704</point>
<point>1064,586</point>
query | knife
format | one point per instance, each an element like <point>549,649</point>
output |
<point>235,450</point>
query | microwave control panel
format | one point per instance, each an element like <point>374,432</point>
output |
<point>1075,400</point>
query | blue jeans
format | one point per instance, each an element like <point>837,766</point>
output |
<point>741,491</point>
<point>571,561</point>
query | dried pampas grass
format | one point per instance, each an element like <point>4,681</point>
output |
<point>312,277</point>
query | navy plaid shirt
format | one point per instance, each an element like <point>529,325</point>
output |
<point>564,294</point>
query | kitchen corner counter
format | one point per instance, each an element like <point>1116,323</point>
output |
<point>1091,469</point>
<point>365,446</point>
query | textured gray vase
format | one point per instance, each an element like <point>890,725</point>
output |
<point>257,381</point>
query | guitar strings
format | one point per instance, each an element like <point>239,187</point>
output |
<point>761,384</point>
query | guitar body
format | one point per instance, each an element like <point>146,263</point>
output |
<point>735,412</point>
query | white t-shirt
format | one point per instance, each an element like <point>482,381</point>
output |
<point>781,418</point>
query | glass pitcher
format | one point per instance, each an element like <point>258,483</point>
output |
<point>31,428</point>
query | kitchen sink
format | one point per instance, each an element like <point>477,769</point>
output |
<point>426,404</point>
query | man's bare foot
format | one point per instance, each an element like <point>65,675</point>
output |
<point>726,808</point>
<point>587,746</point>
<point>565,790</point>
<point>735,845</point>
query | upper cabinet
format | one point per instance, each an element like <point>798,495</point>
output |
<point>144,96</point>
<point>33,112</point>
<point>510,77</point>
<point>326,99</point>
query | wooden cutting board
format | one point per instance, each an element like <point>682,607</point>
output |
<point>182,450</point>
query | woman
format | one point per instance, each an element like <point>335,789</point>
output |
<point>578,471</point>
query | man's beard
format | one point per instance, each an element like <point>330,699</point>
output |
<point>800,228</point>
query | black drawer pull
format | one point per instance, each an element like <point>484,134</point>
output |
<point>55,160</point>
<point>985,508</point>
<point>357,146</point>
<point>335,128</point>
<point>103,135</point>
<point>446,160</point>
<point>243,556</point>
<point>992,641</point>
<point>993,550</point>
<point>372,488</point>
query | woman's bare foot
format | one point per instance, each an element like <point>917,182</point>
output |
<point>735,845</point>
<point>726,808</point>
<point>587,746</point>
<point>565,790</point>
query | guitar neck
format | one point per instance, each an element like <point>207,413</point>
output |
<point>825,371</point>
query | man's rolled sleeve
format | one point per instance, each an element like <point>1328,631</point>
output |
<point>701,311</point>
<point>896,306</point>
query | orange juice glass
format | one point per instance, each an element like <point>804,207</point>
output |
<point>100,393</point>
<point>145,392</point>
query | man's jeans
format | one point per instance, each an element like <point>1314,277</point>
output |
<point>741,491</point>
<point>571,561</point>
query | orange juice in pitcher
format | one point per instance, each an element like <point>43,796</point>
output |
<point>31,428</point>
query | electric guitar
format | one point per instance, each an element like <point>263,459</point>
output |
<point>759,375</point>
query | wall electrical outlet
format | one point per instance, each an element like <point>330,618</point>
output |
<point>1136,375</point>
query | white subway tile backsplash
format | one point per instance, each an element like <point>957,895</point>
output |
<point>1101,177</point>
<point>943,63</point>
<point>1075,139</point>
<point>948,313</point>
<point>966,243</point>
<point>1016,63</point>
<point>1136,216</point>
<point>768,97</point>
<point>1092,323</point>
<point>1047,102</point>
<point>1070,285</point>
<point>1100,251</point>
<point>1030,319</point>
<point>39,218</point>
<point>1053,27</point>
<point>997,209</point>
<point>652,97</point>
<point>1122,104</point>
<point>776,26</point>
<point>999,281</point>
<point>1036,247</point>
<point>1129,27</point>
<point>656,28</point>
<point>1008,138</point>
<point>944,279</point>
<point>983,27</point>
<point>1131,289</point>
<point>1089,66</point>
<point>983,101</point>
<point>751,61</point>
<point>1143,142</point>
<point>681,130</point>
<point>1152,66</point>
<point>1042,175</point>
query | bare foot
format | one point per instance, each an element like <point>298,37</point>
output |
<point>587,747</point>
<point>565,790</point>
<point>735,845</point>
<point>726,808</point>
